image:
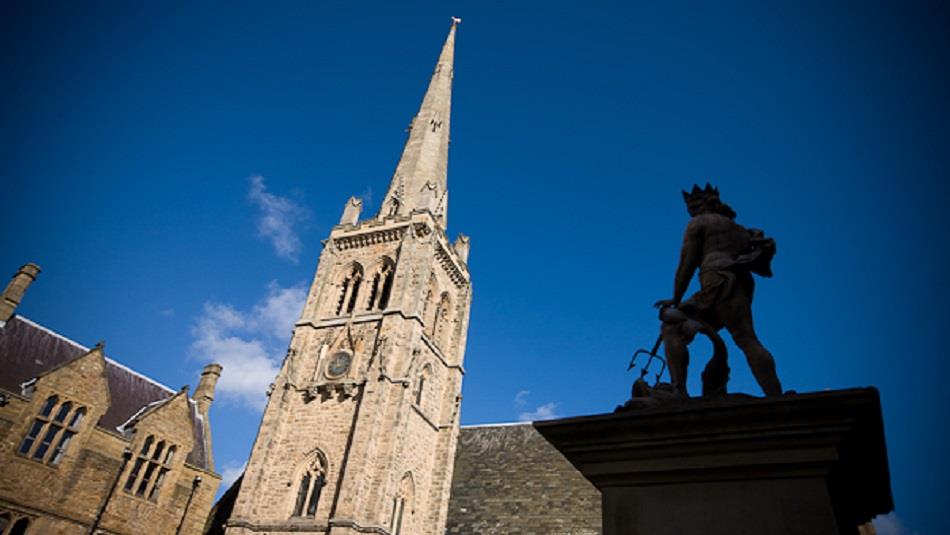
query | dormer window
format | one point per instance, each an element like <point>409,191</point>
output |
<point>56,431</point>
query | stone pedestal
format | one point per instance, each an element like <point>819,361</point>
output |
<point>808,464</point>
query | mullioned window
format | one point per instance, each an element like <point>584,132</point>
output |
<point>52,430</point>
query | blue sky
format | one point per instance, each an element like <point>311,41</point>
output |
<point>144,146</point>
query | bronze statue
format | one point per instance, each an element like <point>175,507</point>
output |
<point>726,254</point>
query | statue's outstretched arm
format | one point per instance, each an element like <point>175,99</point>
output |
<point>690,257</point>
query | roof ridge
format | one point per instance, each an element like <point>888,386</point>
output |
<point>84,348</point>
<point>501,424</point>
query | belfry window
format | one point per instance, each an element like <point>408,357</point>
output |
<point>349,290</point>
<point>150,469</point>
<point>20,526</point>
<point>48,430</point>
<point>308,492</point>
<point>382,286</point>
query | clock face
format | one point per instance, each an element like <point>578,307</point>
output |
<point>339,364</point>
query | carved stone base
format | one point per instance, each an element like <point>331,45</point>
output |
<point>807,464</point>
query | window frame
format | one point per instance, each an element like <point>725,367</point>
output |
<point>52,430</point>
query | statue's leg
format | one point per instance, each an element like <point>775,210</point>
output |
<point>677,356</point>
<point>736,314</point>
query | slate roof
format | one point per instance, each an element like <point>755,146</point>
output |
<point>28,349</point>
<point>508,479</point>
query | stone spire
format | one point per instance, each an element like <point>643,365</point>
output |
<point>419,182</point>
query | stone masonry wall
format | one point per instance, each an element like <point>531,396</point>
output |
<point>65,498</point>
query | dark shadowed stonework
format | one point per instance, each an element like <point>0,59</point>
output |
<point>509,480</point>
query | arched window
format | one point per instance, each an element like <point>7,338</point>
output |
<point>423,379</point>
<point>349,289</point>
<point>312,481</point>
<point>19,527</point>
<point>401,502</point>
<point>4,521</point>
<point>382,285</point>
<point>63,427</point>
<point>150,469</point>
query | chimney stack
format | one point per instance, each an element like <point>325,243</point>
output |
<point>204,394</point>
<point>15,290</point>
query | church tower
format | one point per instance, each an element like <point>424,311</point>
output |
<point>360,430</point>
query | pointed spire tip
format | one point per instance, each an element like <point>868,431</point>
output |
<point>456,21</point>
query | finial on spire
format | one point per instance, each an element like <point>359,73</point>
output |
<point>456,20</point>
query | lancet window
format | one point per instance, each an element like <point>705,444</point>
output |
<point>349,290</point>
<point>382,285</point>
<point>52,430</point>
<point>424,379</point>
<point>150,469</point>
<point>17,524</point>
<point>310,487</point>
<point>402,506</point>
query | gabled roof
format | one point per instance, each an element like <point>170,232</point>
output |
<point>27,350</point>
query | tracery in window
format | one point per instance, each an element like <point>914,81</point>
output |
<point>59,430</point>
<point>312,481</point>
<point>349,289</point>
<point>19,527</point>
<point>150,469</point>
<point>382,285</point>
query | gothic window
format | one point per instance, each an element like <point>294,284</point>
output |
<point>19,528</point>
<point>423,379</point>
<point>382,285</point>
<point>150,469</point>
<point>52,431</point>
<point>349,289</point>
<point>401,502</point>
<point>311,486</point>
<point>4,521</point>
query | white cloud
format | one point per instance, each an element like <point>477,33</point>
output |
<point>250,345</point>
<point>543,412</point>
<point>890,524</point>
<point>521,398</point>
<point>229,474</point>
<point>277,219</point>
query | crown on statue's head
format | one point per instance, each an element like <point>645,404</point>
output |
<point>698,193</point>
<point>699,200</point>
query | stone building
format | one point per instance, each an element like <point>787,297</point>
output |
<point>360,430</point>
<point>88,445</point>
